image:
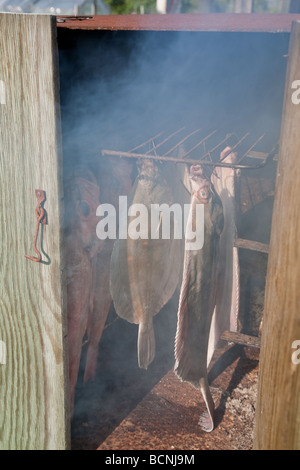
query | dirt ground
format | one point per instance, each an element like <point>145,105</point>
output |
<point>165,416</point>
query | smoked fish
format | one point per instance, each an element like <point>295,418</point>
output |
<point>114,180</point>
<point>198,293</point>
<point>145,271</point>
<point>225,316</point>
<point>81,199</point>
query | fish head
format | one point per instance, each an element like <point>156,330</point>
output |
<point>201,186</point>
<point>147,169</point>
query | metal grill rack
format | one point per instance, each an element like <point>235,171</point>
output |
<point>182,147</point>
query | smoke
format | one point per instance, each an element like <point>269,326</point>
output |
<point>120,88</point>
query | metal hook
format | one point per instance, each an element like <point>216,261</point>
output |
<point>41,219</point>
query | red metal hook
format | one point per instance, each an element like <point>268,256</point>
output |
<point>41,219</point>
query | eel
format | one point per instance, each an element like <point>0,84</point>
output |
<point>145,271</point>
<point>226,311</point>
<point>198,293</point>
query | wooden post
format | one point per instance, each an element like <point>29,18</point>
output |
<point>277,425</point>
<point>33,370</point>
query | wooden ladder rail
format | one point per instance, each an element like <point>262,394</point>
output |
<point>233,336</point>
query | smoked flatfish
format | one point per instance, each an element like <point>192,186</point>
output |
<point>145,271</point>
<point>198,293</point>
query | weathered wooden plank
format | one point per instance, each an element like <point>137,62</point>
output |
<point>251,245</point>
<point>240,338</point>
<point>230,22</point>
<point>33,391</point>
<point>278,405</point>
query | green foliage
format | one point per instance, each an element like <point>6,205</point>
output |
<point>196,6</point>
<point>125,7</point>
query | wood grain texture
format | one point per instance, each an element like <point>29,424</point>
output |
<point>251,245</point>
<point>240,338</point>
<point>33,387</point>
<point>230,22</point>
<point>278,405</point>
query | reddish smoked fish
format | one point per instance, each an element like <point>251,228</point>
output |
<point>198,294</point>
<point>82,199</point>
<point>114,181</point>
<point>145,271</point>
<point>228,284</point>
<point>101,306</point>
<point>79,293</point>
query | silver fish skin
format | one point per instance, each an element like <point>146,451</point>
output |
<point>198,294</point>
<point>145,271</point>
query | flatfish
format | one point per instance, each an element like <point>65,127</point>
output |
<point>114,180</point>
<point>145,271</point>
<point>198,293</point>
<point>225,316</point>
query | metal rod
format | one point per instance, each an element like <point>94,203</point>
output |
<point>190,161</point>
<point>235,146</point>
<point>214,148</point>
<point>199,143</point>
<point>181,142</point>
<point>252,147</point>
<point>165,140</point>
<point>147,142</point>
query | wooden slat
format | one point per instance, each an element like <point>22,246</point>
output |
<point>240,338</point>
<point>278,406</point>
<point>259,155</point>
<point>33,392</point>
<point>242,22</point>
<point>251,245</point>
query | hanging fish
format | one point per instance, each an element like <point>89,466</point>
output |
<point>145,271</point>
<point>198,293</point>
<point>114,180</point>
<point>81,199</point>
<point>228,284</point>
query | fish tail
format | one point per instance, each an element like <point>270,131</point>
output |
<point>91,363</point>
<point>182,356</point>
<point>206,421</point>
<point>146,345</point>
